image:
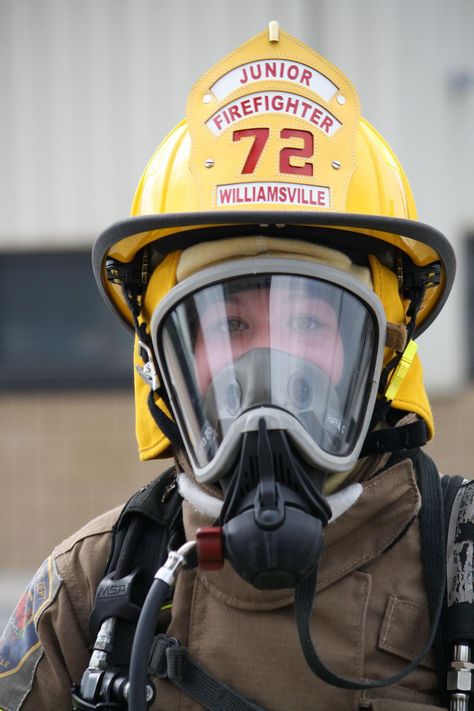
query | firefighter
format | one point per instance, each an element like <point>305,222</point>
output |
<point>275,277</point>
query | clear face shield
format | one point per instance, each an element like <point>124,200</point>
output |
<point>290,341</point>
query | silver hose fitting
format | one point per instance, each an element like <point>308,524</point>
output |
<point>459,680</point>
<point>176,561</point>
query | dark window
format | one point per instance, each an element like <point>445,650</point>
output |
<point>55,329</point>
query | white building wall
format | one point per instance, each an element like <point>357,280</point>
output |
<point>89,87</point>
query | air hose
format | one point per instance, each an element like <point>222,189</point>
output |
<point>139,692</point>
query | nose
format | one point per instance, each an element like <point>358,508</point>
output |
<point>261,338</point>
<point>258,333</point>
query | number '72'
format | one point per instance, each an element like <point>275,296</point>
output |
<point>261,135</point>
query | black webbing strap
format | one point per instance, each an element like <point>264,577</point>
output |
<point>394,439</point>
<point>450,486</point>
<point>460,603</point>
<point>431,527</point>
<point>433,552</point>
<point>140,545</point>
<point>169,660</point>
<point>165,424</point>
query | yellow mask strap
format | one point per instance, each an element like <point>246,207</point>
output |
<point>401,371</point>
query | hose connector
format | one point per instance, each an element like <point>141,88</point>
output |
<point>174,564</point>
<point>459,681</point>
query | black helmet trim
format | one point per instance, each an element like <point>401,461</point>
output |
<point>275,223</point>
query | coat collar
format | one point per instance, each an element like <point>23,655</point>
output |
<point>381,514</point>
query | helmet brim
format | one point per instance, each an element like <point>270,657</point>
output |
<point>422,243</point>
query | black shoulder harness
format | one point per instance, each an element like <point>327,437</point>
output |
<point>150,524</point>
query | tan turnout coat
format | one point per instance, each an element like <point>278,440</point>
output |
<point>370,617</point>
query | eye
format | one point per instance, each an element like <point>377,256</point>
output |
<point>230,325</point>
<point>305,322</point>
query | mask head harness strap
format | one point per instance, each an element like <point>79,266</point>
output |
<point>414,281</point>
<point>133,278</point>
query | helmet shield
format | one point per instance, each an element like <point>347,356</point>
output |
<point>299,344</point>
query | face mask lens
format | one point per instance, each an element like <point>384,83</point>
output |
<point>302,347</point>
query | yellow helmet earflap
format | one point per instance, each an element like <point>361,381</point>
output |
<point>404,389</point>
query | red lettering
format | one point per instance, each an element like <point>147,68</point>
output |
<point>291,194</point>
<point>246,107</point>
<point>322,197</point>
<point>225,195</point>
<point>218,121</point>
<point>272,194</point>
<point>306,106</point>
<point>245,77</point>
<point>270,69</point>
<point>316,116</point>
<point>292,105</point>
<point>305,77</point>
<point>234,112</point>
<point>256,71</point>
<point>326,123</point>
<point>257,102</point>
<point>277,102</point>
<point>293,71</point>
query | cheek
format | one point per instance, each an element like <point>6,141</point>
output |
<point>209,360</point>
<point>336,361</point>
<point>329,356</point>
<point>203,374</point>
<point>327,353</point>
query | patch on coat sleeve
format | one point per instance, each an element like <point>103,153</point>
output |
<point>20,647</point>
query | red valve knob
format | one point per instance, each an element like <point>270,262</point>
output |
<point>210,551</point>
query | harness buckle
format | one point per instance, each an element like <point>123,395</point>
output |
<point>158,662</point>
<point>113,598</point>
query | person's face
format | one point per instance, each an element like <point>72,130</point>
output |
<point>280,319</point>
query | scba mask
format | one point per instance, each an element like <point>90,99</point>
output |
<point>294,343</point>
<point>271,369</point>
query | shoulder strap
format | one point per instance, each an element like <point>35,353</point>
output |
<point>450,486</point>
<point>142,535</point>
<point>460,561</point>
<point>170,660</point>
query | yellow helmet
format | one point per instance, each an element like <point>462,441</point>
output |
<point>273,143</point>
